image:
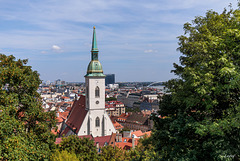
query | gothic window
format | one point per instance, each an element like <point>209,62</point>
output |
<point>97,92</point>
<point>97,122</point>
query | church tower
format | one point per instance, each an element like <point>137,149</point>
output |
<point>95,80</point>
<point>88,115</point>
<point>98,121</point>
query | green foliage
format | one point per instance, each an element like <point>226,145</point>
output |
<point>130,109</point>
<point>110,153</point>
<point>25,129</point>
<point>144,151</point>
<point>64,156</point>
<point>124,129</point>
<point>202,116</point>
<point>83,148</point>
<point>111,99</point>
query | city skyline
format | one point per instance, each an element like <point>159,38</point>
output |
<point>136,39</point>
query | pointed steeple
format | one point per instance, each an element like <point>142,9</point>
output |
<point>94,41</point>
<point>94,67</point>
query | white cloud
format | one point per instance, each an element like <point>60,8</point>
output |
<point>130,29</point>
<point>56,48</point>
<point>43,52</point>
<point>150,51</point>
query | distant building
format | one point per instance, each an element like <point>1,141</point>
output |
<point>110,79</point>
<point>59,82</point>
<point>113,86</point>
<point>136,121</point>
<point>128,99</point>
<point>114,108</point>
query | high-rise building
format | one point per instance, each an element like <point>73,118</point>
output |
<point>110,79</point>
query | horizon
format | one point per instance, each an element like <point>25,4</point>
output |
<point>137,40</point>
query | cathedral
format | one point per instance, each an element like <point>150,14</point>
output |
<point>88,115</point>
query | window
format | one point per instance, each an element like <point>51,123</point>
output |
<point>97,122</point>
<point>97,92</point>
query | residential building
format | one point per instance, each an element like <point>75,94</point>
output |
<point>129,98</point>
<point>114,108</point>
<point>136,121</point>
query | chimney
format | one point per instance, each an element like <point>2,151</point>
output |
<point>120,137</point>
<point>97,145</point>
<point>117,136</point>
<point>133,141</point>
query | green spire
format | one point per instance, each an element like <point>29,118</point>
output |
<point>94,41</point>
<point>94,67</point>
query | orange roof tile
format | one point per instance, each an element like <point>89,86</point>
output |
<point>137,133</point>
<point>126,143</point>
<point>148,133</point>
<point>117,125</point>
<point>59,140</point>
<point>102,140</point>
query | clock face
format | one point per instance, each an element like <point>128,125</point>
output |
<point>97,102</point>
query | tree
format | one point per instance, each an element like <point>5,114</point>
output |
<point>63,156</point>
<point>110,153</point>
<point>144,151</point>
<point>83,148</point>
<point>202,115</point>
<point>111,99</point>
<point>25,129</point>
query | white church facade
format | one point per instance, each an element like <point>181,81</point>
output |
<point>88,115</point>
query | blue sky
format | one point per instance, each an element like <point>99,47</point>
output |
<point>137,39</point>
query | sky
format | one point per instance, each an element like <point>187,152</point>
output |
<point>137,39</point>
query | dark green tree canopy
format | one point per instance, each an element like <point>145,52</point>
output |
<point>25,129</point>
<point>83,148</point>
<point>202,115</point>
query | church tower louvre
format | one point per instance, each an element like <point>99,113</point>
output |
<point>88,115</point>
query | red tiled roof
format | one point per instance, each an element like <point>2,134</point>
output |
<point>54,132</point>
<point>124,115</point>
<point>126,143</point>
<point>59,140</point>
<point>148,133</point>
<point>59,119</point>
<point>102,140</point>
<point>110,104</point>
<point>77,114</point>
<point>64,114</point>
<point>137,133</point>
<point>117,125</point>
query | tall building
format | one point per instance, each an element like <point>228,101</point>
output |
<point>110,79</point>
<point>88,115</point>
